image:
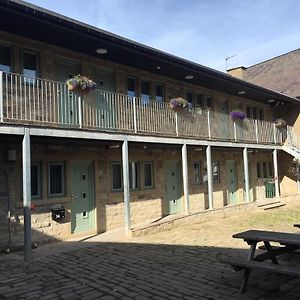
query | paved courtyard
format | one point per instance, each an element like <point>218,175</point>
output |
<point>182,263</point>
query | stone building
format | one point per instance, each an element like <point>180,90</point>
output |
<point>80,163</point>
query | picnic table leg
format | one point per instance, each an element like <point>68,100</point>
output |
<point>269,249</point>
<point>247,271</point>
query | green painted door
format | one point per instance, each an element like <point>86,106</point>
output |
<point>232,176</point>
<point>173,198</point>
<point>83,218</point>
<point>105,102</point>
<point>67,102</point>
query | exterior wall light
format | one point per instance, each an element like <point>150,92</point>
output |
<point>189,77</point>
<point>101,51</point>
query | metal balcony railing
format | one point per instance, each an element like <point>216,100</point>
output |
<point>42,102</point>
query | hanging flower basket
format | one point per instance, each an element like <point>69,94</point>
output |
<point>238,114</point>
<point>80,84</point>
<point>179,104</point>
<point>280,123</point>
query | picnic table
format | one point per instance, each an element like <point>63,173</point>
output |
<point>288,243</point>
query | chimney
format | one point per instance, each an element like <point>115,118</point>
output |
<point>239,72</point>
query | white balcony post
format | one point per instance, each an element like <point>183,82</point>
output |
<point>1,96</point>
<point>246,174</point>
<point>209,177</point>
<point>26,193</point>
<point>256,131</point>
<point>126,186</point>
<point>274,131</point>
<point>208,124</point>
<point>275,163</point>
<point>176,124</point>
<point>185,179</point>
<point>80,111</point>
<point>298,176</point>
<point>234,130</point>
<point>134,115</point>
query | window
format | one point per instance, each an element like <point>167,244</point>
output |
<point>159,93</point>
<point>145,92</point>
<point>131,87</point>
<point>56,179</point>
<point>209,101</point>
<point>254,113</point>
<point>189,97</point>
<point>30,65</point>
<point>215,171</point>
<point>271,170</point>
<point>148,174</point>
<point>197,172</point>
<point>248,112</point>
<point>5,59</point>
<point>265,175</point>
<point>258,172</point>
<point>261,114</point>
<point>199,100</point>
<point>133,175</point>
<point>117,178</point>
<point>36,180</point>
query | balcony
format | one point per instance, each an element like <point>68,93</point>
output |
<point>46,103</point>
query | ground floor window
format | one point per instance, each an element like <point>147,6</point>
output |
<point>216,171</point>
<point>36,180</point>
<point>56,179</point>
<point>197,172</point>
<point>148,174</point>
<point>264,169</point>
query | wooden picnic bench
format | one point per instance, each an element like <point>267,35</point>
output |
<point>297,225</point>
<point>289,243</point>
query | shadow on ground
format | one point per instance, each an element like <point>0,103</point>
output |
<point>97,270</point>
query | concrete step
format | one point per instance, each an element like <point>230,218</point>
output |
<point>272,205</point>
<point>263,203</point>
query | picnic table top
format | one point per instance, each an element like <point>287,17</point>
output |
<point>269,236</point>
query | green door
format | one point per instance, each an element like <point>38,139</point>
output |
<point>232,176</point>
<point>67,101</point>
<point>105,101</point>
<point>173,198</point>
<point>83,218</point>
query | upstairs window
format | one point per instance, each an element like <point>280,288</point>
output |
<point>145,92</point>
<point>199,100</point>
<point>209,101</point>
<point>159,93</point>
<point>131,87</point>
<point>30,64</point>
<point>5,59</point>
<point>189,97</point>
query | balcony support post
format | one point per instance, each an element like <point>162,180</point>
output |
<point>275,163</point>
<point>1,96</point>
<point>298,176</point>
<point>126,186</point>
<point>246,174</point>
<point>234,130</point>
<point>209,177</point>
<point>80,111</point>
<point>176,124</point>
<point>208,124</point>
<point>26,193</point>
<point>274,132</point>
<point>134,115</point>
<point>185,179</point>
<point>256,131</point>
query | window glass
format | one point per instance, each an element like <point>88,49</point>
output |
<point>30,64</point>
<point>159,94</point>
<point>265,175</point>
<point>133,175</point>
<point>261,114</point>
<point>56,179</point>
<point>197,172</point>
<point>148,174</point>
<point>209,101</point>
<point>145,92</point>
<point>117,176</point>
<point>254,113</point>
<point>131,87</point>
<point>5,59</point>
<point>258,172</point>
<point>248,112</point>
<point>35,180</point>
<point>215,171</point>
<point>271,171</point>
<point>199,100</point>
<point>189,97</point>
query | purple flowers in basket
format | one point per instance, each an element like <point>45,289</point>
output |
<point>179,104</point>
<point>80,83</point>
<point>238,114</point>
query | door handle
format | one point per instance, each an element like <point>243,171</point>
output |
<point>73,197</point>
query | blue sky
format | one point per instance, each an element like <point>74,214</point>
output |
<point>204,31</point>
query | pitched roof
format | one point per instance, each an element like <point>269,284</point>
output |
<point>281,73</point>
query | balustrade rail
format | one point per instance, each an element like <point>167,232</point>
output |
<point>49,103</point>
